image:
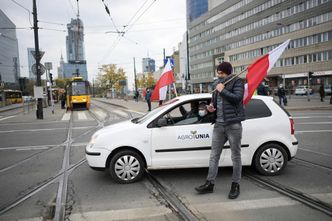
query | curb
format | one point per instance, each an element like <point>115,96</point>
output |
<point>12,108</point>
<point>308,108</point>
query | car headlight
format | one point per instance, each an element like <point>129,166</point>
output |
<point>92,141</point>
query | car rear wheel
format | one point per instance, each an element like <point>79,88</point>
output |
<point>126,166</point>
<point>270,159</point>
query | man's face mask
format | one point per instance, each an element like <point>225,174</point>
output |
<point>201,113</point>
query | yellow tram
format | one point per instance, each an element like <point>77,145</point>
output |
<point>78,94</point>
<point>11,96</point>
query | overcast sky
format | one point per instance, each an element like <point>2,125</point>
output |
<point>161,26</point>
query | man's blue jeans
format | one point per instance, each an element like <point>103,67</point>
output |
<point>222,133</point>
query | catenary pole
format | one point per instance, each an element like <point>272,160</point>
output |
<point>39,112</point>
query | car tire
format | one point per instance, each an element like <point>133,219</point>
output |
<point>270,159</point>
<point>126,166</point>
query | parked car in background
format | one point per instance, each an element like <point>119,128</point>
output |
<point>165,138</point>
<point>27,98</point>
<point>327,89</point>
<point>302,90</point>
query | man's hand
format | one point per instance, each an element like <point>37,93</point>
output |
<point>220,87</point>
<point>210,108</point>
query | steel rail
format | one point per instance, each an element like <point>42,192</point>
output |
<point>173,202</point>
<point>313,164</point>
<point>294,194</point>
<point>39,187</point>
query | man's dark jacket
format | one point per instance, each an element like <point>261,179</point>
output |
<point>232,96</point>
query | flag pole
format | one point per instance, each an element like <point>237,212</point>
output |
<point>229,80</point>
<point>176,94</point>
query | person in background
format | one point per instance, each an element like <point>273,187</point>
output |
<point>63,100</point>
<point>136,96</point>
<point>282,95</point>
<point>262,90</point>
<point>321,92</point>
<point>148,98</point>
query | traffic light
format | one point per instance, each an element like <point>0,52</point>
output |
<point>310,74</point>
<point>51,78</point>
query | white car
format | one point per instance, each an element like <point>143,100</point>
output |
<point>164,138</point>
<point>302,90</point>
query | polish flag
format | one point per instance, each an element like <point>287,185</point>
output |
<point>259,69</point>
<point>167,78</point>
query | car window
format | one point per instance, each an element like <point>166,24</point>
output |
<point>257,109</point>
<point>187,113</point>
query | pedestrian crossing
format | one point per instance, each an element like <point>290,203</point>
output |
<point>87,116</point>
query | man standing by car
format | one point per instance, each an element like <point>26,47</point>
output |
<point>227,104</point>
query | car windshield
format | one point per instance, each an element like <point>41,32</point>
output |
<point>153,112</point>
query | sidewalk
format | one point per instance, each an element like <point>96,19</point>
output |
<point>294,103</point>
<point>25,113</point>
<point>302,103</point>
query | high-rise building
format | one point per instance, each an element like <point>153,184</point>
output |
<point>148,65</point>
<point>196,8</point>
<point>9,56</point>
<point>75,50</point>
<point>241,31</point>
<point>75,41</point>
<point>61,68</point>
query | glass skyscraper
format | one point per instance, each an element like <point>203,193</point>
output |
<point>9,57</point>
<point>75,50</point>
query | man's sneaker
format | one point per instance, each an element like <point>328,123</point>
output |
<point>207,187</point>
<point>235,191</point>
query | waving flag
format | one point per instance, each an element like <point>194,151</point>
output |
<point>259,69</point>
<point>167,78</point>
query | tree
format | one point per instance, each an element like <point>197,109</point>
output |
<point>109,77</point>
<point>61,83</point>
<point>150,82</point>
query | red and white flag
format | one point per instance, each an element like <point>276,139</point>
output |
<point>259,69</point>
<point>167,78</point>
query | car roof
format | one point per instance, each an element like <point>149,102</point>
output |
<point>209,95</point>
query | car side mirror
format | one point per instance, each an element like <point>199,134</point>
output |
<point>162,122</point>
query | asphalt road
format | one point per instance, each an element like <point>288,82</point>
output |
<point>44,175</point>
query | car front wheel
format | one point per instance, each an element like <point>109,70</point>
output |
<point>270,159</point>
<point>126,166</point>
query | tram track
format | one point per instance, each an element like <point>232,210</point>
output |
<point>292,193</point>
<point>172,201</point>
<point>61,177</point>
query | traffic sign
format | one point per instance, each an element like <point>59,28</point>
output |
<point>41,54</point>
<point>34,69</point>
<point>48,65</point>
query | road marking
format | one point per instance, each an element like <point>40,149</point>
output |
<point>318,153</point>
<point>5,118</point>
<point>330,122</point>
<point>121,113</point>
<point>82,116</point>
<point>46,129</point>
<point>28,147</point>
<point>308,117</point>
<point>101,114</point>
<point>246,204</point>
<point>66,116</point>
<point>78,144</point>
<point>122,214</point>
<point>312,131</point>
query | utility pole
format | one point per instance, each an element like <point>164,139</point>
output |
<point>39,112</point>
<point>187,78</point>
<point>135,77</point>
<point>164,58</point>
